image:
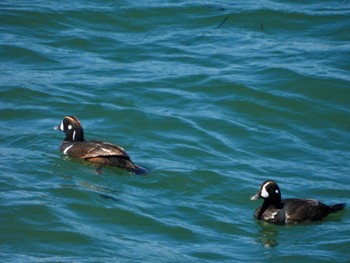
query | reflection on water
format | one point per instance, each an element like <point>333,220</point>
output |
<point>108,197</point>
<point>268,235</point>
<point>104,192</point>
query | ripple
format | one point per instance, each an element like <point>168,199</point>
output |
<point>213,97</point>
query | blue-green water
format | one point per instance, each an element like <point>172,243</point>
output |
<point>214,97</point>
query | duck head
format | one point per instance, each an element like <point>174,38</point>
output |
<point>269,191</point>
<point>71,126</point>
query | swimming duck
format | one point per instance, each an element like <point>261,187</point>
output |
<point>97,152</point>
<point>289,211</point>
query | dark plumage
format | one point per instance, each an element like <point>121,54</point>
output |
<point>289,211</point>
<point>100,153</point>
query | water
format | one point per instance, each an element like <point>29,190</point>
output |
<point>212,97</point>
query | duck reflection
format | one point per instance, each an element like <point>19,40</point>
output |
<point>268,235</point>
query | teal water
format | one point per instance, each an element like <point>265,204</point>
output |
<point>213,97</point>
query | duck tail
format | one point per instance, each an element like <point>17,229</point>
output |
<point>138,170</point>
<point>336,207</point>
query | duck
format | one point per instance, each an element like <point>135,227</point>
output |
<point>280,211</point>
<point>99,153</point>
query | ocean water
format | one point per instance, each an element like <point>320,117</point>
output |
<point>213,97</point>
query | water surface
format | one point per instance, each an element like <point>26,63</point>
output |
<point>212,97</point>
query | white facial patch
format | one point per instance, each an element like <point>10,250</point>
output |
<point>67,149</point>
<point>62,126</point>
<point>73,134</point>
<point>264,193</point>
<point>70,127</point>
<point>276,191</point>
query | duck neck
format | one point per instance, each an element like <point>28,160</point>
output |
<point>276,203</point>
<point>264,206</point>
<point>75,135</point>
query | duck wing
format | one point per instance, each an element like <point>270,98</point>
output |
<point>91,149</point>
<point>298,210</point>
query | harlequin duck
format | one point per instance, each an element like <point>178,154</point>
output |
<point>97,152</point>
<point>289,211</point>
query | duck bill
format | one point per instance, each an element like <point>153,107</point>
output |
<point>255,197</point>
<point>57,128</point>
